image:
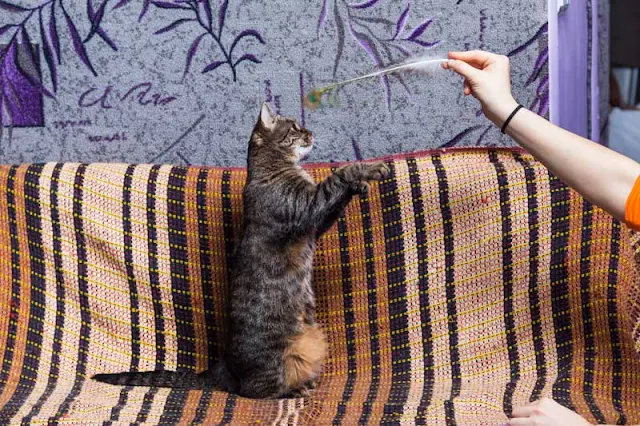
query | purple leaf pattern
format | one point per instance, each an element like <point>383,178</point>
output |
<point>322,18</point>
<point>222,15</point>
<point>212,66</point>
<point>461,136</point>
<point>48,54</point>
<point>120,4</point>
<point>417,32</point>
<point>383,47</point>
<point>96,19</point>
<point>538,73</point>
<point>364,5</point>
<point>207,11</point>
<point>20,72</point>
<point>145,9</point>
<point>173,25</point>
<point>243,34</point>
<point>402,20</point>
<point>340,30</point>
<point>5,28</point>
<point>227,53</point>
<point>5,5</point>
<point>248,57</point>
<point>192,51</point>
<point>169,5</point>
<point>19,81</point>
<point>53,31</point>
<point>77,41</point>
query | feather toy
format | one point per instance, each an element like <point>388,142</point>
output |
<point>416,65</point>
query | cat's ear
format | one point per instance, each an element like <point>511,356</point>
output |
<point>267,119</point>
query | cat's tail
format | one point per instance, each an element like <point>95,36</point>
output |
<point>218,378</point>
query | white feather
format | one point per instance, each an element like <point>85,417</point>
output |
<point>421,64</point>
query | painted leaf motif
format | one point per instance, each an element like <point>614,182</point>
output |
<point>402,21</point>
<point>460,136</point>
<point>543,83</point>
<point>32,80</point>
<point>247,57</point>
<point>340,29</point>
<point>322,18</point>
<point>417,32</point>
<point>426,43</point>
<point>207,11</point>
<point>167,5</point>
<point>96,20</point>
<point>222,14</point>
<point>541,61</point>
<point>542,31</point>
<point>53,31</point>
<point>145,8</point>
<point>77,42</point>
<point>121,3</point>
<point>13,95</point>
<point>26,44</point>
<point>192,51</point>
<point>48,55</point>
<point>243,34</point>
<point>173,25</point>
<point>212,66</point>
<point>4,5</point>
<point>544,105</point>
<point>5,28</point>
<point>363,5</point>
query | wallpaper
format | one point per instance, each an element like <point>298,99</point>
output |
<point>182,81</point>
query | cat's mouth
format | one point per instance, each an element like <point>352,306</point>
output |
<point>302,151</point>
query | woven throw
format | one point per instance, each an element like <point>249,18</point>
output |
<point>467,283</point>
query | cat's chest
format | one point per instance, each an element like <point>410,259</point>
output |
<point>305,175</point>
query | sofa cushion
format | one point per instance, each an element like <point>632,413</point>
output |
<point>468,282</point>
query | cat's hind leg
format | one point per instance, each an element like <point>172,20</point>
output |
<point>304,357</point>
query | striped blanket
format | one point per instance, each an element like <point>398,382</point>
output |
<point>467,283</point>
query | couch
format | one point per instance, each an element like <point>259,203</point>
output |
<point>467,283</point>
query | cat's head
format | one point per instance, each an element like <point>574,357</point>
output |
<point>281,134</point>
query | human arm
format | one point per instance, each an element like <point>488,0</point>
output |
<point>601,175</point>
<point>546,412</point>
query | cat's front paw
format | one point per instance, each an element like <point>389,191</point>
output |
<point>371,172</point>
<point>362,188</point>
<point>359,175</point>
<point>375,171</point>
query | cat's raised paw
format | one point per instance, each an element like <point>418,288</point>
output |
<point>363,187</point>
<point>377,171</point>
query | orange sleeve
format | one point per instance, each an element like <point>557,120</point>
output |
<point>632,208</point>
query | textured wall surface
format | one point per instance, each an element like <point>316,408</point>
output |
<point>181,81</point>
<point>604,66</point>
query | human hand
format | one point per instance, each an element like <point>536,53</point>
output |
<point>546,412</point>
<point>487,78</point>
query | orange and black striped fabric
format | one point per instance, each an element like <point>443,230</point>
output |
<point>467,283</point>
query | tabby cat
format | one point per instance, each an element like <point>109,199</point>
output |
<point>274,347</point>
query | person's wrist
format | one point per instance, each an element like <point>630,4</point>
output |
<point>502,110</point>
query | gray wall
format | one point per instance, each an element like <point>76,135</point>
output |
<point>121,92</point>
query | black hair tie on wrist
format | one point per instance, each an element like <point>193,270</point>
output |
<point>506,123</point>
